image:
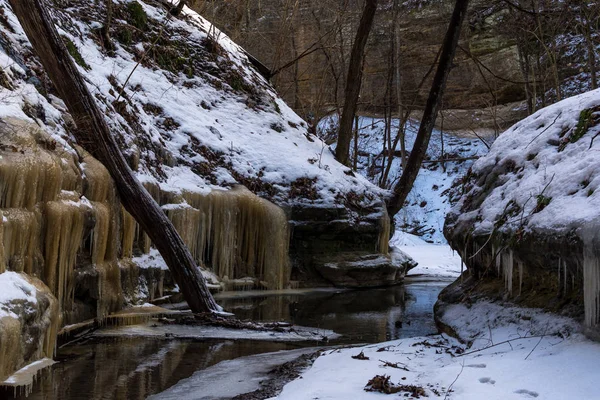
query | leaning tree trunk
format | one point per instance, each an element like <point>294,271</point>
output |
<point>353,81</point>
<point>92,132</point>
<point>417,155</point>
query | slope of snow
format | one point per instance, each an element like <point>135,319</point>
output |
<point>428,203</point>
<point>194,115</point>
<point>543,173</point>
<point>435,261</point>
<point>515,354</point>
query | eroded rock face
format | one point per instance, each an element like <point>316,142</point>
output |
<point>344,247</point>
<point>363,270</point>
<point>28,322</point>
<point>310,85</point>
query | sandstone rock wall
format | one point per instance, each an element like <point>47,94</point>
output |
<point>276,33</point>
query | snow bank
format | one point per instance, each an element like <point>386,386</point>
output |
<point>541,174</point>
<point>546,358</point>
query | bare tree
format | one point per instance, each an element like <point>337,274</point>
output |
<point>417,155</point>
<point>353,81</point>
<point>93,134</point>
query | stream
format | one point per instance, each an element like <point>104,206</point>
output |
<point>131,368</point>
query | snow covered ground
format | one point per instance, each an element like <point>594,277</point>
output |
<point>515,354</point>
<point>16,292</point>
<point>435,261</point>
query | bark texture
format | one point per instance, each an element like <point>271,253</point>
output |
<point>353,81</point>
<point>93,134</point>
<point>417,155</point>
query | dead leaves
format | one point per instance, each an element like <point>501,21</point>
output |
<point>360,356</point>
<point>382,384</point>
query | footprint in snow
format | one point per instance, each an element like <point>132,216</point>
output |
<point>476,366</point>
<point>527,393</point>
<point>487,380</point>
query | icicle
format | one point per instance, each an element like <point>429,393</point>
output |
<point>507,270</point>
<point>21,234</point>
<point>384,236</point>
<point>591,288</point>
<point>565,277</point>
<point>237,234</point>
<point>559,266</point>
<point>64,234</point>
<point>520,264</point>
<point>498,262</point>
<point>128,234</point>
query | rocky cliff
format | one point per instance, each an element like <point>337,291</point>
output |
<point>410,37</point>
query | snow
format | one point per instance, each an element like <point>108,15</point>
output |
<point>547,358</point>
<point>26,375</point>
<point>435,261</point>
<point>506,352</point>
<point>15,289</point>
<point>230,378</point>
<point>154,330</point>
<point>534,161</point>
<point>429,201</point>
<point>150,260</point>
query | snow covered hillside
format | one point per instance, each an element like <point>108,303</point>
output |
<point>428,203</point>
<point>542,174</point>
<point>193,115</point>
<point>531,209</point>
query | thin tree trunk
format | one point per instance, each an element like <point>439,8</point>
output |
<point>105,31</point>
<point>409,174</point>
<point>93,134</point>
<point>179,8</point>
<point>353,81</point>
<point>587,33</point>
<point>401,119</point>
<point>356,143</point>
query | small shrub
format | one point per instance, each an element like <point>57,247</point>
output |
<point>542,202</point>
<point>124,36</point>
<point>74,52</point>
<point>585,119</point>
<point>136,15</point>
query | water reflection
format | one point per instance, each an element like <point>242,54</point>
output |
<point>134,368</point>
<point>362,316</point>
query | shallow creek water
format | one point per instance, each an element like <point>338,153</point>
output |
<point>134,368</point>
